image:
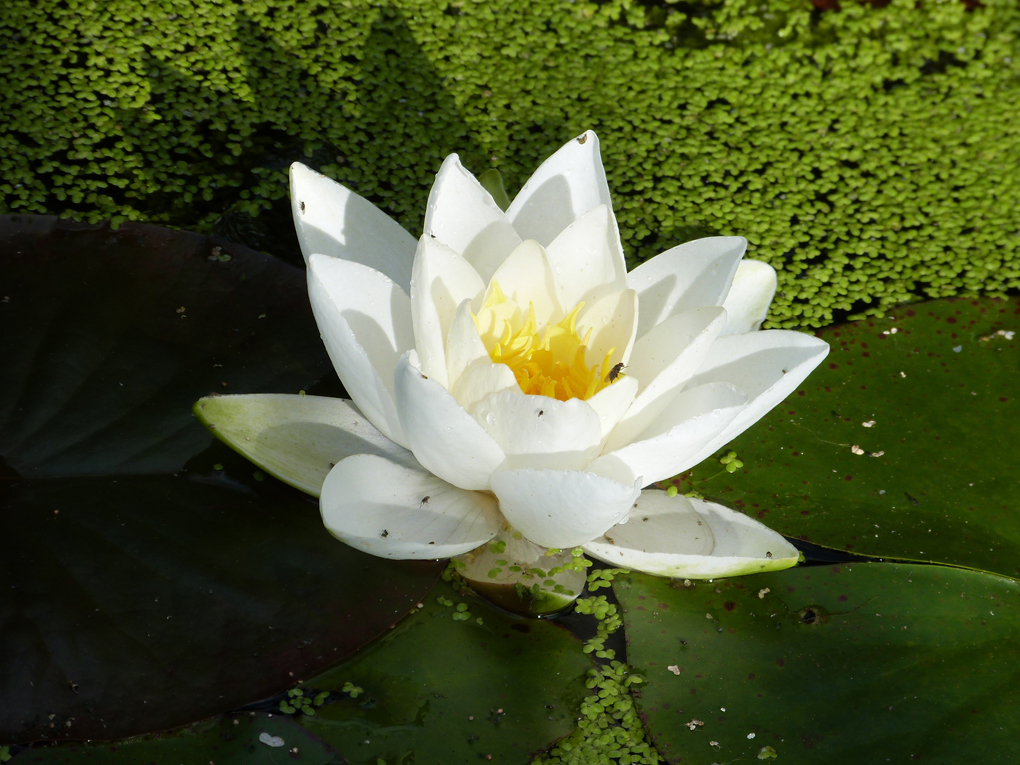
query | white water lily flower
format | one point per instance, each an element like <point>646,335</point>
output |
<point>506,368</point>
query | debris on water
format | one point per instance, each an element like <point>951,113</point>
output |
<point>270,740</point>
<point>763,592</point>
<point>767,753</point>
<point>750,735</point>
<point>876,454</point>
<point>674,669</point>
<point>857,450</point>
<point>694,724</point>
<point>869,424</point>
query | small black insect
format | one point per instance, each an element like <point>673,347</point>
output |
<point>614,373</point>
<point>385,533</point>
<point>425,500</point>
<point>302,207</point>
<point>541,412</point>
<point>768,555</point>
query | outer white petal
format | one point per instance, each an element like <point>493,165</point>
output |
<point>463,345</point>
<point>750,296</point>
<point>613,323</point>
<point>587,258</point>
<point>663,360</point>
<point>768,366</point>
<point>441,281</point>
<point>482,379</point>
<point>444,438</point>
<point>541,432</point>
<point>394,511</point>
<point>462,215</point>
<point>332,220</point>
<point>691,538</point>
<point>560,508</point>
<point>365,323</point>
<point>612,402</point>
<point>692,420</point>
<point>566,186</point>
<point>692,275</point>
<point>527,277</point>
<point>297,439</point>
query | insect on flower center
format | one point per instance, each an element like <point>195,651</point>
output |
<point>551,365</point>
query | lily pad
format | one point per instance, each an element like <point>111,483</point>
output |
<point>444,688</point>
<point>865,662</point>
<point>902,444</point>
<point>151,576</point>
<point>237,739</point>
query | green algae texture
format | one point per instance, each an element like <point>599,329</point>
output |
<point>865,152</point>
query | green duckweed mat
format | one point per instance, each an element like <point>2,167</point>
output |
<point>865,152</point>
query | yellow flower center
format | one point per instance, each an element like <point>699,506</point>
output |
<point>553,366</point>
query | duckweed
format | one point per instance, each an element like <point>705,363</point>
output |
<point>864,152</point>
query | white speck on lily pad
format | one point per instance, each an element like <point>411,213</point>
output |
<point>269,740</point>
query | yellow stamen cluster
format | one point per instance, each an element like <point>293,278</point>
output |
<point>553,366</point>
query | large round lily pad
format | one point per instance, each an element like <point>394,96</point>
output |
<point>451,686</point>
<point>866,662</point>
<point>150,578</point>
<point>903,444</point>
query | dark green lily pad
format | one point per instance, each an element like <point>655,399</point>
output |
<point>935,393</point>
<point>229,740</point>
<point>442,688</point>
<point>866,662</point>
<point>150,578</point>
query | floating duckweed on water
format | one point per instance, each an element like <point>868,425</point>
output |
<point>731,462</point>
<point>864,153</point>
<point>603,577</point>
<point>298,702</point>
<point>352,690</point>
<point>610,729</point>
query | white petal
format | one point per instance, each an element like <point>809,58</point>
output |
<point>463,345</point>
<point>587,258</point>
<point>750,296</point>
<point>332,220</point>
<point>394,511</point>
<point>691,538</point>
<point>441,281</point>
<point>693,275</point>
<point>482,379</point>
<point>297,439</point>
<point>538,431</point>
<point>669,446</point>
<point>767,366</point>
<point>527,277</point>
<point>560,508</point>
<point>663,360</point>
<point>612,402</point>
<point>444,438</point>
<point>462,215</point>
<point>613,322</point>
<point>566,186</point>
<point>365,323</point>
